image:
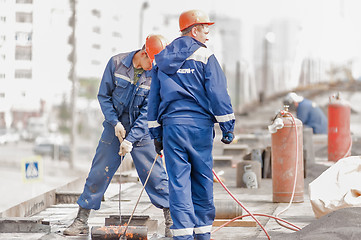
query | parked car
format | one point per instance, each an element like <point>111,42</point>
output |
<point>9,136</point>
<point>52,150</point>
<point>37,126</point>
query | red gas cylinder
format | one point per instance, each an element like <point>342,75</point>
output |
<point>339,136</point>
<point>285,156</point>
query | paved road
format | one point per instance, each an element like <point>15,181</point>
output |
<point>13,188</point>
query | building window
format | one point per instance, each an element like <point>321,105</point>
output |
<point>23,73</point>
<point>96,29</point>
<point>2,19</point>
<point>96,46</point>
<point>24,1</point>
<point>2,57</point>
<point>95,62</point>
<point>24,17</point>
<point>96,13</point>
<point>2,75</point>
<point>23,53</point>
<point>23,38</point>
<point>116,34</point>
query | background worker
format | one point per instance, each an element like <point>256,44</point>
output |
<point>308,112</point>
<point>123,98</point>
<point>188,95</point>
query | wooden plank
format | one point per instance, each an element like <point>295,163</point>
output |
<point>236,223</point>
<point>67,197</point>
<point>222,161</point>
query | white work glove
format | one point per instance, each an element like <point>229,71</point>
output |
<point>125,147</point>
<point>119,131</point>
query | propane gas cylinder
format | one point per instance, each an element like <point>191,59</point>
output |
<point>285,156</point>
<point>339,136</point>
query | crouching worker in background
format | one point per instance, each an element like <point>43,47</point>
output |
<point>308,112</point>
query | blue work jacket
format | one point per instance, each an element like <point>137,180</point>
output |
<point>118,95</point>
<point>188,85</point>
<point>312,116</point>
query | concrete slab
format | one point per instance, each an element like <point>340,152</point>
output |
<point>24,225</point>
<point>258,201</point>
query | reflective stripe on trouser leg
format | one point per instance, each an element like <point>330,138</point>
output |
<point>203,232</point>
<point>186,148</point>
<point>143,155</point>
<point>105,163</point>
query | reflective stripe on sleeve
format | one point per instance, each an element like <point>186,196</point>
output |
<point>201,55</point>
<point>182,232</point>
<point>153,124</point>
<point>225,118</point>
<point>144,87</point>
<point>123,77</point>
<point>202,230</point>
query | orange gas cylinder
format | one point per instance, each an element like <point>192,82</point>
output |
<point>285,155</point>
<point>339,136</point>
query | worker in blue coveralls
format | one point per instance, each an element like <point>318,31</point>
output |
<point>188,96</point>
<point>123,98</point>
<point>308,112</point>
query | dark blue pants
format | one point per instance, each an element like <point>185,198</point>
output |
<point>188,156</point>
<point>106,162</point>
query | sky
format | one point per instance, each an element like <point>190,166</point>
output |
<point>330,28</point>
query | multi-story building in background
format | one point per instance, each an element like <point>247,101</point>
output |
<point>99,35</point>
<point>16,58</point>
<point>35,48</point>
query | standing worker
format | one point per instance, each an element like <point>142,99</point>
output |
<point>308,112</point>
<point>188,95</point>
<point>123,98</point>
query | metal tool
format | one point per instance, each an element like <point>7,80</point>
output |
<point>141,192</point>
<point>123,232</point>
<point>123,237</point>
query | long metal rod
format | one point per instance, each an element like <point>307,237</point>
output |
<point>120,190</point>
<point>145,183</point>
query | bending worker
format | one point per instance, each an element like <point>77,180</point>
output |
<point>188,95</point>
<point>308,112</point>
<point>123,98</point>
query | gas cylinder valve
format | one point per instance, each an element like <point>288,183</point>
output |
<point>277,124</point>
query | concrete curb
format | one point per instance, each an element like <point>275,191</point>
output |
<point>39,203</point>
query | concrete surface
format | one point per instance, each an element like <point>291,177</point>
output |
<point>255,200</point>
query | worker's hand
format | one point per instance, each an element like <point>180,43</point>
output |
<point>119,131</point>
<point>227,137</point>
<point>158,146</point>
<point>125,147</point>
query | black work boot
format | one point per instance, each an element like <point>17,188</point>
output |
<point>168,222</point>
<point>80,224</point>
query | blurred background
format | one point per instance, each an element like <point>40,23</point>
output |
<point>53,54</point>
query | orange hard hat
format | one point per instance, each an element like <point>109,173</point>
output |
<point>154,44</point>
<point>191,17</point>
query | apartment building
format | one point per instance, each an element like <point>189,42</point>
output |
<point>35,47</point>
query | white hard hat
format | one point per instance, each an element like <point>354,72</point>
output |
<point>293,97</point>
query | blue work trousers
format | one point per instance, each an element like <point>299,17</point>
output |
<point>106,162</point>
<point>188,156</point>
